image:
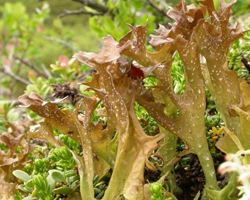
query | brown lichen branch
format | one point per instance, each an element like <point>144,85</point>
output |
<point>189,125</point>
<point>117,90</point>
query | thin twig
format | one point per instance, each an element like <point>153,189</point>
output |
<point>151,3</point>
<point>30,65</point>
<point>83,77</point>
<point>94,5</point>
<point>78,12</point>
<point>11,64</point>
<point>67,45</point>
<point>23,55</point>
<point>16,77</point>
<point>45,70</point>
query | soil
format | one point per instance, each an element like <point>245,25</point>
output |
<point>191,180</point>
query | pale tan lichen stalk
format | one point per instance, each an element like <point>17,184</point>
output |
<point>192,111</point>
<point>214,39</point>
<point>103,143</point>
<point>190,123</point>
<point>134,146</point>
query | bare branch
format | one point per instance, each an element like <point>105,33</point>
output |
<point>94,5</point>
<point>14,76</point>
<point>151,3</point>
<point>78,12</point>
<point>67,45</point>
<point>30,65</point>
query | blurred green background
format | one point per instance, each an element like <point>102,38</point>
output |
<point>40,48</point>
<point>74,29</point>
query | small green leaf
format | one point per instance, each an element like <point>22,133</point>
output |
<point>57,175</point>
<point>29,183</point>
<point>29,198</point>
<point>99,196</point>
<point>24,188</point>
<point>12,115</point>
<point>71,172</point>
<point>53,66</point>
<point>62,190</point>
<point>156,188</point>
<point>109,24</point>
<point>32,88</point>
<point>111,4</point>
<point>6,107</point>
<point>97,190</point>
<point>23,176</point>
<point>138,5</point>
<point>51,182</point>
<point>40,183</point>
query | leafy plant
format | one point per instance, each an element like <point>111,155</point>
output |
<point>53,177</point>
<point>17,32</point>
<point>121,13</point>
